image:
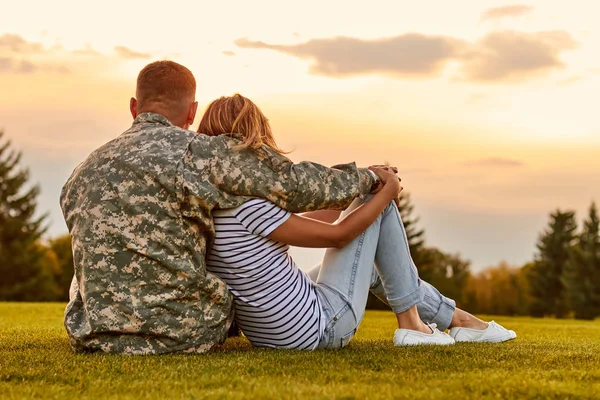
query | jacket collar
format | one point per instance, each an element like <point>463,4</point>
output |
<point>152,118</point>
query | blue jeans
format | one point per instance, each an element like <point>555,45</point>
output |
<point>378,261</point>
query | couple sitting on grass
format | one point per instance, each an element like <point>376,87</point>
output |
<point>176,233</point>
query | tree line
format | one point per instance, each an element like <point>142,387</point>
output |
<point>563,280</point>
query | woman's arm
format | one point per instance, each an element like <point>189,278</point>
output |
<point>306,232</point>
<point>329,216</point>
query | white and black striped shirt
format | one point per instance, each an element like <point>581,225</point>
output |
<point>276,304</point>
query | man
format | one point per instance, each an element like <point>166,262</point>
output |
<point>139,213</point>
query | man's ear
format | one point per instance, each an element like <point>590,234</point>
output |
<point>133,107</point>
<point>192,113</point>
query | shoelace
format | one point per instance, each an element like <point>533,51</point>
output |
<point>433,327</point>
<point>494,324</point>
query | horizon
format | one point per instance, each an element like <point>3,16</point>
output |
<point>487,110</point>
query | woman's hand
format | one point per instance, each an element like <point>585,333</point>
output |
<point>391,181</point>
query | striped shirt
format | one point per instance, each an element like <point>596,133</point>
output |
<point>276,304</point>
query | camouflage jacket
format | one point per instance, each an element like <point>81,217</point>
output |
<point>139,213</point>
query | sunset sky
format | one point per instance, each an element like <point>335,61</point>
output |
<point>489,109</point>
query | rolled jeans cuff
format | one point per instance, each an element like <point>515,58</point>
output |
<point>403,303</point>
<point>443,316</point>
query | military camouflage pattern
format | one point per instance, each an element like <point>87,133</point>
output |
<point>139,212</point>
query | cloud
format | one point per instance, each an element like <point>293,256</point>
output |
<point>26,67</point>
<point>228,53</point>
<point>16,66</point>
<point>88,50</point>
<point>513,55</point>
<point>496,162</point>
<point>127,53</point>
<point>6,64</point>
<point>17,44</point>
<point>498,56</point>
<point>18,56</point>
<point>409,54</point>
<point>512,11</point>
<point>10,65</point>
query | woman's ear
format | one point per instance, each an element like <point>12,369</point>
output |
<point>133,107</point>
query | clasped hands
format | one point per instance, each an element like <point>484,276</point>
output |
<point>388,176</point>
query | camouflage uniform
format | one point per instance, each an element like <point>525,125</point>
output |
<point>139,212</point>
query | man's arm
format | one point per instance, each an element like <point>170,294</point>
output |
<point>300,187</point>
<point>317,187</point>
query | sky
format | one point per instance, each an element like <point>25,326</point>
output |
<point>488,109</point>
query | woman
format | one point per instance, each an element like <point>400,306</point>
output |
<point>278,305</point>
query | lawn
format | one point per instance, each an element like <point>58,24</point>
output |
<point>550,359</point>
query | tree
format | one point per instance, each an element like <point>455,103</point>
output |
<point>581,276</point>
<point>500,290</point>
<point>449,273</point>
<point>545,276</point>
<point>415,236</point>
<point>22,264</point>
<point>61,247</point>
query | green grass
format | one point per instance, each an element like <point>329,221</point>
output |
<point>550,359</point>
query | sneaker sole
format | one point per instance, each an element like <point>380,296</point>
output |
<point>422,344</point>
<point>488,340</point>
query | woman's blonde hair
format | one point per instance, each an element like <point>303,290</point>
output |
<point>238,114</point>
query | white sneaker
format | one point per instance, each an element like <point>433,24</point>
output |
<point>494,333</point>
<point>408,337</point>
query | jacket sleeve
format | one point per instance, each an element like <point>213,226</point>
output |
<point>263,173</point>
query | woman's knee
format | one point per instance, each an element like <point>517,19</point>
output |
<point>391,207</point>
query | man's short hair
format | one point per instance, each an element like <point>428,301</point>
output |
<point>167,84</point>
